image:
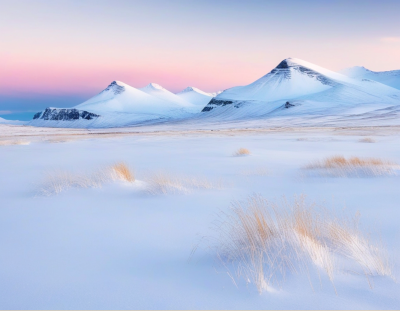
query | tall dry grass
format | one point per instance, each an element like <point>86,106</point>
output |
<point>353,166</point>
<point>123,172</point>
<point>58,181</point>
<point>163,182</point>
<point>241,152</point>
<point>264,241</point>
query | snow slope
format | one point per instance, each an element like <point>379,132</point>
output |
<point>195,96</point>
<point>15,122</point>
<point>163,94</point>
<point>120,97</point>
<point>390,78</point>
<point>299,88</point>
<point>122,105</point>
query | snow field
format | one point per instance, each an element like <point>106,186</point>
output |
<point>120,247</point>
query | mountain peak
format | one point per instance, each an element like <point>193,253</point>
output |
<point>188,89</point>
<point>196,90</point>
<point>154,86</point>
<point>117,87</point>
<point>283,64</point>
<point>292,62</point>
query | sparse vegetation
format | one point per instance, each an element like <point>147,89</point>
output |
<point>263,241</point>
<point>367,140</point>
<point>354,166</point>
<point>241,152</point>
<point>123,171</point>
<point>58,181</point>
<point>14,142</point>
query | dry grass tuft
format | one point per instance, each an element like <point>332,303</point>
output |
<point>14,142</point>
<point>354,166</point>
<point>263,241</point>
<point>123,172</point>
<point>340,161</point>
<point>367,140</point>
<point>241,152</point>
<point>163,182</point>
<point>59,181</point>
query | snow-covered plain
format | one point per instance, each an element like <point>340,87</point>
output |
<point>119,247</point>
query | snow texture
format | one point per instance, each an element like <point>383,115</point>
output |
<point>118,247</point>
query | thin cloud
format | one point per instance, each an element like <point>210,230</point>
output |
<point>5,111</point>
<point>390,39</point>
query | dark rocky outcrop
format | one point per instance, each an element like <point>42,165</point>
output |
<point>115,88</point>
<point>37,115</point>
<point>284,69</point>
<point>62,114</point>
<point>288,105</point>
<point>216,103</point>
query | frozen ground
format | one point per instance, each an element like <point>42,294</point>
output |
<point>118,247</point>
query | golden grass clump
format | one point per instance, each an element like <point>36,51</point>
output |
<point>123,172</point>
<point>59,181</point>
<point>341,166</point>
<point>264,241</point>
<point>340,161</point>
<point>367,140</point>
<point>241,152</point>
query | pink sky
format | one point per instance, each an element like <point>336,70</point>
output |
<point>70,47</point>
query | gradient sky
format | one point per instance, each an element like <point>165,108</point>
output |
<point>59,53</point>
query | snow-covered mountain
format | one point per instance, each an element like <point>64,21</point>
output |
<point>120,97</point>
<point>390,78</point>
<point>295,91</point>
<point>195,96</point>
<point>299,88</point>
<point>119,105</point>
<point>164,95</point>
<point>14,122</point>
